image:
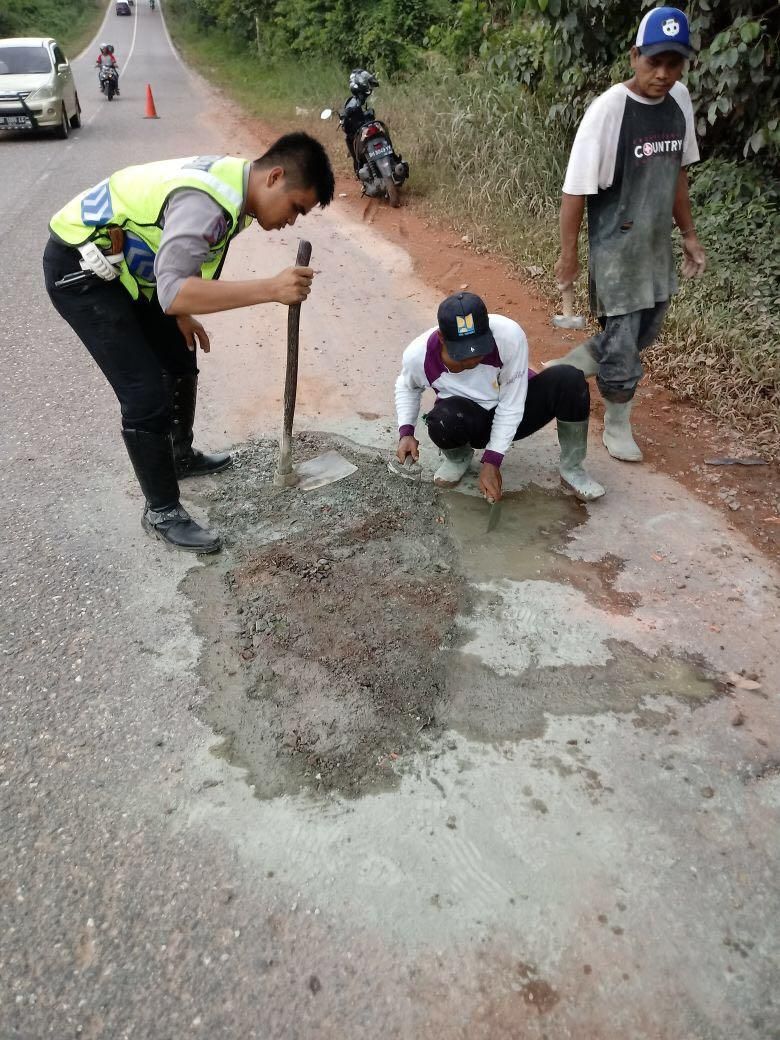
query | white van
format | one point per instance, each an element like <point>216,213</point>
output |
<point>37,90</point>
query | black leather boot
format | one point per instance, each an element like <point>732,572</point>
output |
<point>190,462</point>
<point>164,516</point>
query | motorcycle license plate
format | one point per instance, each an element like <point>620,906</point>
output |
<point>15,123</point>
<point>381,149</point>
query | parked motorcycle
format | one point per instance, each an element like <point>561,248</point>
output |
<point>108,77</point>
<point>377,166</point>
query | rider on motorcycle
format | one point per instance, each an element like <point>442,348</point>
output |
<point>106,60</point>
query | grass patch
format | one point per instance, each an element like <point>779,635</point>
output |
<point>263,87</point>
<point>469,141</point>
<point>72,24</point>
<point>485,159</point>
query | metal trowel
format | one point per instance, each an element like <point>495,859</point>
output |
<point>495,514</point>
<point>407,470</point>
<point>323,469</point>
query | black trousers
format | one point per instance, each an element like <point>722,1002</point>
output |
<point>133,342</point>
<point>560,392</point>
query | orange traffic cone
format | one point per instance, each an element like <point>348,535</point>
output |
<point>151,111</point>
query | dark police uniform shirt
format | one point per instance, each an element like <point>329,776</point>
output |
<point>626,158</point>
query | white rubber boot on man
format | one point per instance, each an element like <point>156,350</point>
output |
<point>618,438</point>
<point>573,439</point>
<point>581,358</point>
<point>454,468</point>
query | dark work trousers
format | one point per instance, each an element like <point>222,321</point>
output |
<point>560,392</point>
<point>618,346</point>
<point>132,341</point>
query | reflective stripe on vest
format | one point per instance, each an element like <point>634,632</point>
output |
<point>135,198</point>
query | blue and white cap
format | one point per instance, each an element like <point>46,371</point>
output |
<point>664,29</point>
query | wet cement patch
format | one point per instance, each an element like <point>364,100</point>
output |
<point>338,626</point>
<point>485,705</point>
<point>325,645</point>
<point>535,526</point>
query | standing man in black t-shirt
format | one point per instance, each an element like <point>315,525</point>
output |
<point>629,160</point>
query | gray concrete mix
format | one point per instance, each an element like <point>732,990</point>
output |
<point>542,811</point>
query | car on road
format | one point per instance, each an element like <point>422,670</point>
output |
<point>37,89</point>
<point>123,7</point>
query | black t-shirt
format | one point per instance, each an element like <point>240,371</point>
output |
<point>626,159</point>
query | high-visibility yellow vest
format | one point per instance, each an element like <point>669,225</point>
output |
<point>134,199</point>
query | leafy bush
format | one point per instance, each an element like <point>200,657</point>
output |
<point>386,34</point>
<point>722,341</point>
<point>740,221</point>
<point>735,78</point>
<point>71,24</point>
<point>460,37</point>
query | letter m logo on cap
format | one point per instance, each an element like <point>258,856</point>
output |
<point>465,324</point>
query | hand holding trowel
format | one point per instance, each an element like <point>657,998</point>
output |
<point>406,461</point>
<point>491,486</point>
<point>324,469</point>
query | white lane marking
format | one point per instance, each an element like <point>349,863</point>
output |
<point>175,53</point>
<point>135,33</point>
<point>82,54</point>
<point>99,108</point>
<point>86,122</point>
<point>173,50</point>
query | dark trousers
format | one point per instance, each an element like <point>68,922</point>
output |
<point>560,392</point>
<point>618,346</point>
<point>135,345</point>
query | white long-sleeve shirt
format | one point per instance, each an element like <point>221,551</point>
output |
<point>499,381</point>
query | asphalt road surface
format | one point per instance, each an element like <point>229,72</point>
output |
<point>563,858</point>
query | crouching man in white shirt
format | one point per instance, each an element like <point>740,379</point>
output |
<point>486,398</point>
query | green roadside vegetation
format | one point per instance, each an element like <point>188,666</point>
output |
<point>72,23</point>
<point>483,99</point>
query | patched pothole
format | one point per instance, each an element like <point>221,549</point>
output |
<point>332,659</point>
<point>335,626</point>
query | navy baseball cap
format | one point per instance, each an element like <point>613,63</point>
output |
<point>464,326</point>
<point>664,29</point>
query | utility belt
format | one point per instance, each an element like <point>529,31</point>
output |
<point>104,263</point>
<point>98,262</point>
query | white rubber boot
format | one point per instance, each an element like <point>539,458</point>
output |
<point>454,468</point>
<point>581,358</point>
<point>573,439</point>
<point>618,438</point>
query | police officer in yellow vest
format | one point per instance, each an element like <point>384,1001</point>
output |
<point>132,259</point>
